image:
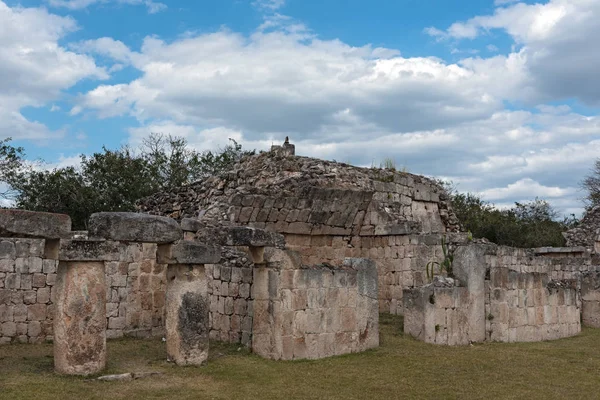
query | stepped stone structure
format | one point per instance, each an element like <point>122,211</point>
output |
<point>290,256</point>
<point>328,211</point>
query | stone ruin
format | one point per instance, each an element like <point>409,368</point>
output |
<point>290,256</point>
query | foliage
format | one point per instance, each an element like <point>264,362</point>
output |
<point>11,159</point>
<point>111,180</point>
<point>445,265</point>
<point>388,163</point>
<point>530,224</point>
<point>591,184</point>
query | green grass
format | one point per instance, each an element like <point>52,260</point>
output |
<point>401,368</point>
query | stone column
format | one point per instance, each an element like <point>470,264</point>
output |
<point>80,320</point>
<point>469,268</point>
<point>187,323</point>
<point>187,308</point>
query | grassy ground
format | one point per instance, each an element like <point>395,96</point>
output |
<point>400,368</point>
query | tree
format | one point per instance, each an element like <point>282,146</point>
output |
<point>591,184</point>
<point>11,160</point>
<point>111,180</point>
<point>530,224</point>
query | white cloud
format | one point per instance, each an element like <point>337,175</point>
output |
<point>526,188</point>
<point>152,6</point>
<point>560,57</point>
<point>201,140</point>
<point>34,68</point>
<point>271,5</point>
<point>281,82</point>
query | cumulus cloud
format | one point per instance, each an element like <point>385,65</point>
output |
<point>152,6</point>
<point>526,188</point>
<point>560,58</point>
<point>276,82</point>
<point>34,68</point>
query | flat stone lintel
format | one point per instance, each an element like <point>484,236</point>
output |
<point>189,252</point>
<point>30,224</point>
<point>134,227</point>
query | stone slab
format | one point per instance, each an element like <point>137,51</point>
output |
<point>30,224</point>
<point>134,227</point>
<point>188,252</point>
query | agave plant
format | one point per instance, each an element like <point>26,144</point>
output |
<point>445,265</point>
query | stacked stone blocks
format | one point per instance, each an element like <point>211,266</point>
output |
<point>317,311</point>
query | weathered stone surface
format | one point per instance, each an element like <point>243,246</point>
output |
<point>21,223</point>
<point>187,309</point>
<point>191,225</point>
<point>244,236</point>
<point>188,252</point>
<point>470,268</point>
<point>80,320</point>
<point>404,228</point>
<point>367,277</point>
<point>134,227</point>
<point>286,194</point>
<point>89,250</point>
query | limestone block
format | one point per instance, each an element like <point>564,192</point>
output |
<point>21,223</point>
<point>187,310</point>
<point>80,320</point>
<point>591,313</point>
<point>134,227</point>
<point>188,252</point>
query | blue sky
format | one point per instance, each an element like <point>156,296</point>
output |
<point>499,96</point>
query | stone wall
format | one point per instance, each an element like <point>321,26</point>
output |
<point>529,307</point>
<point>590,298</point>
<point>314,312</point>
<point>136,288</point>
<point>401,259</point>
<point>135,291</point>
<point>437,315</point>
<point>26,291</point>
<point>231,305</point>
<point>327,211</point>
<point>516,295</point>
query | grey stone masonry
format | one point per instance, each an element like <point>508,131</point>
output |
<point>29,224</point>
<point>313,311</point>
<point>133,227</point>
